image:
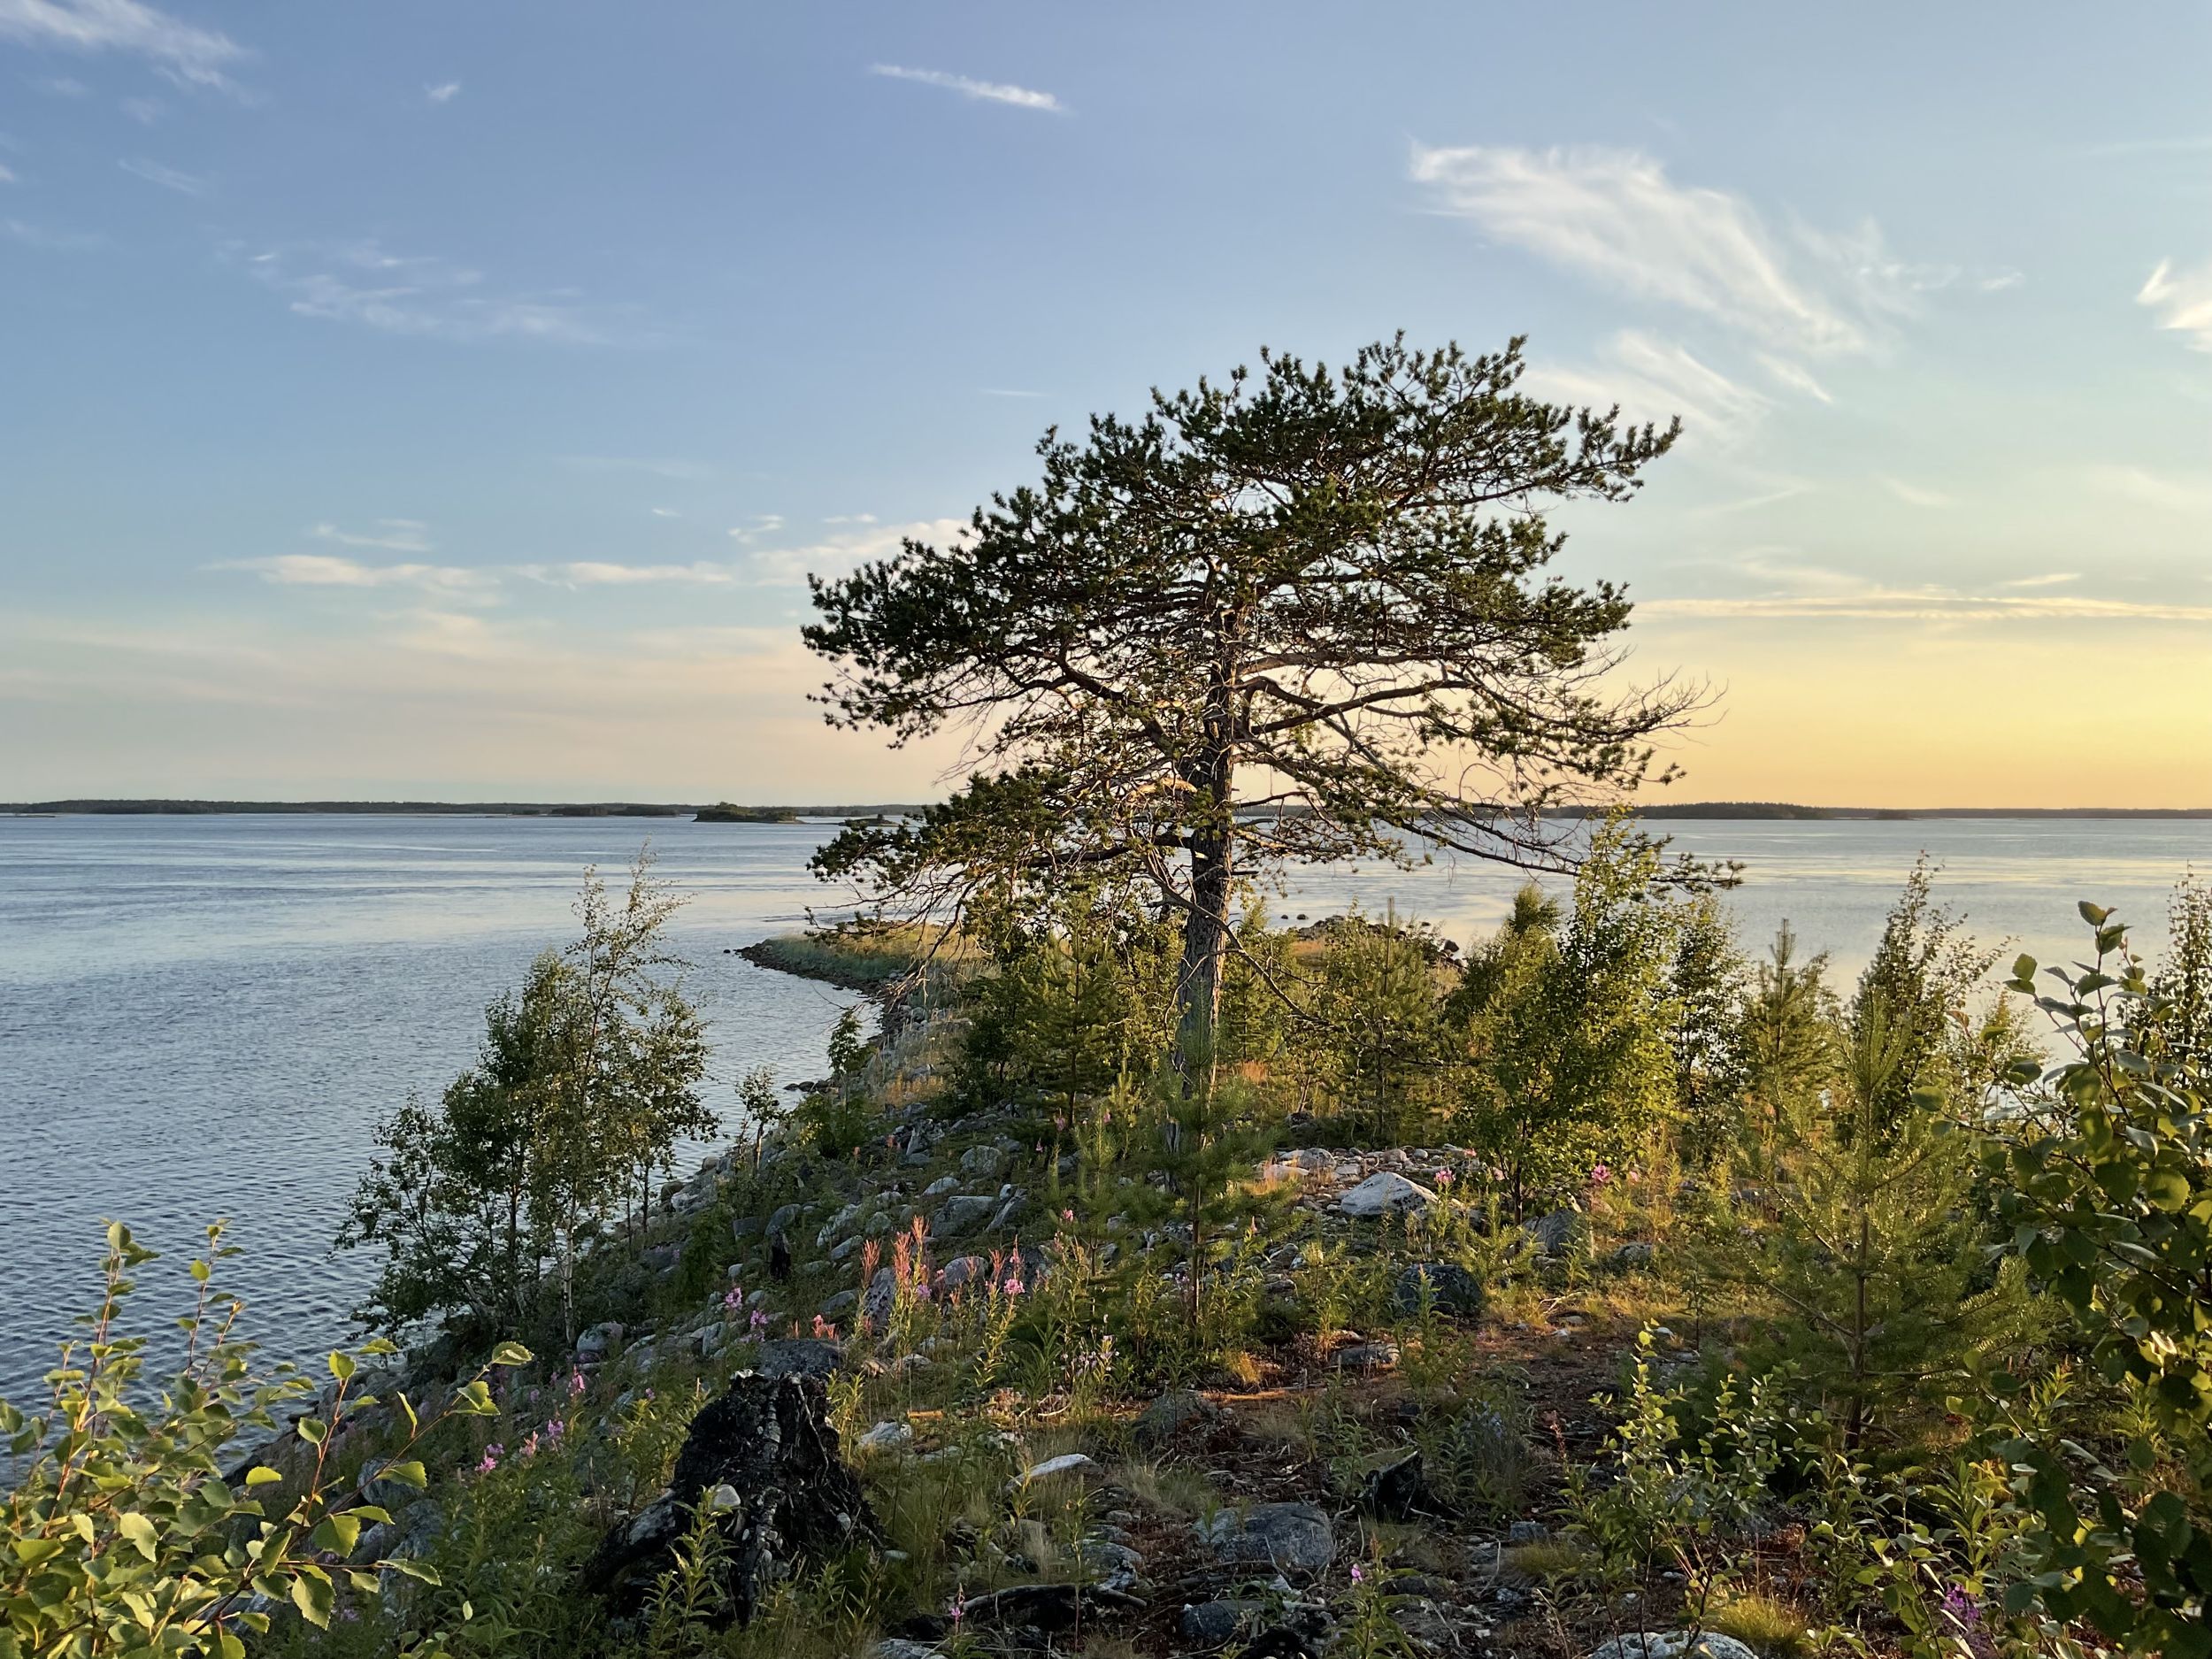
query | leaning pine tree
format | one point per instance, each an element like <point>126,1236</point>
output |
<point>1300,616</point>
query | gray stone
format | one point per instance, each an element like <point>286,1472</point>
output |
<point>1010,1211</point>
<point>981,1163</point>
<point>883,1295</point>
<point>1451,1289</point>
<point>942,1184</point>
<point>898,1647</point>
<point>1367,1357</point>
<point>1066,1464</point>
<point>1635,1253</point>
<point>1173,1412</point>
<point>837,1304</point>
<point>1215,1624</point>
<point>799,1356</point>
<point>1554,1232</point>
<point>963,1269</point>
<point>600,1341</point>
<point>961,1213</point>
<point>1527,1533</point>
<point>1288,1537</point>
<point>1673,1645</point>
<point>885,1437</point>
<point>781,1221</point>
<point>747,1227</point>
<point>1385,1194</point>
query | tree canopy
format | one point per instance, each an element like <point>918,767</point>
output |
<point>1295,615</point>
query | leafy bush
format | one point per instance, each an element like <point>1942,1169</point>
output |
<point>125,1535</point>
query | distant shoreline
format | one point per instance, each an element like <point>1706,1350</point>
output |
<point>1720,810</point>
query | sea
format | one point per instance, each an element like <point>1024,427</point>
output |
<point>206,1017</point>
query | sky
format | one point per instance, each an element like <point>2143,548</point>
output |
<point>420,401</point>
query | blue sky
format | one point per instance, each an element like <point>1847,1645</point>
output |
<point>414,399</point>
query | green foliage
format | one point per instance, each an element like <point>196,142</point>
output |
<point>123,1534</point>
<point>581,1091</point>
<point>1331,580</point>
<point>1918,987</point>
<point>2106,1171</point>
<point>1567,1035</point>
<point>1859,1222</point>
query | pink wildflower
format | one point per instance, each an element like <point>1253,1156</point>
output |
<point>1012,1287</point>
<point>1067,1215</point>
<point>1600,1174</point>
<point>575,1383</point>
<point>732,1299</point>
<point>492,1454</point>
<point>1443,1177</point>
<point>956,1610</point>
<point>759,1320</point>
<point>530,1444</point>
<point>1358,1576</point>
<point>555,1431</point>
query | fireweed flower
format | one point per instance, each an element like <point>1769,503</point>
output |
<point>1443,1177</point>
<point>490,1461</point>
<point>1599,1173</point>
<point>759,1320</point>
<point>956,1610</point>
<point>1067,1215</point>
<point>732,1299</point>
<point>1012,1287</point>
<point>575,1383</point>
<point>1358,1577</point>
<point>530,1444</point>
<point>554,1430</point>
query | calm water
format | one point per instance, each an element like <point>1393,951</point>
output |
<point>204,1016</point>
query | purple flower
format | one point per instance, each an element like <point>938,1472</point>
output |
<point>732,1299</point>
<point>1358,1577</point>
<point>1601,1174</point>
<point>1012,1287</point>
<point>760,1318</point>
<point>956,1610</point>
<point>492,1454</point>
<point>530,1444</point>
<point>554,1430</point>
<point>575,1383</point>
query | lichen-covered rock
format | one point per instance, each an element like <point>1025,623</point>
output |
<point>799,1356</point>
<point>762,1461</point>
<point>1292,1538</point>
<point>1673,1644</point>
<point>1447,1286</point>
<point>1172,1413</point>
<point>1385,1194</point>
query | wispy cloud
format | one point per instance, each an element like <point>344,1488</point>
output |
<point>982,91</point>
<point>663,512</point>
<point>46,240</point>
<point>763,524</point>
<point>1796,376</point>
<point>145,111</point>
<point>2190,493</point>
<point>392,535</point>
<point>7,175</point>
<point>1006,391</point>
<point>598,573</point>
<point>2181,301</point>
<point>1929,604</point>
<point>1614,216</point>
<point>190,54</point>
<point>2049,579</point>
<point>445,92</point>
<point>167,177</point>
<point>1913,494</point>
<point>426,295</point>
<point>326,570</point>
<point>1655,380</point>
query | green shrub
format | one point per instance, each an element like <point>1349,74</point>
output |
<point>125,1537</point>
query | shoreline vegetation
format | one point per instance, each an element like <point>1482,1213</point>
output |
<point>724,812</point>
<point>1156,1282</point>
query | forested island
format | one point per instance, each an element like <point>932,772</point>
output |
<point>1153,1280</point>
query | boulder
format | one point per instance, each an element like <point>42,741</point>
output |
<point>1552,1234</point>
<point>761,1460</point>
<point>1066,1464</point>
<point>963,1269</point>
<point>1050,1608</point>
<point>885,1437</point>
<point>1212,1624</point>
<point>1291,1537</point>
<point>598,1341</point>
<point>899,1648</point>
<point>1172,1413</point>
<point>799,1356</point>
<point>1673,1645</point>
<point>963,1212</point>
<point>1385,1194</point>
<point>981,1163</point>
<point>1450,1288</point>
<point>883,1295</point>
<point>1398,1490</point>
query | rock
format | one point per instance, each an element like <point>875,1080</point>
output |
<point>1288,1537</point>
<point>897,1648</point>
<point>1280,1641</point>
<point>598,1341</point>
<point>1425,1624</point>
<point>1011,1210</point>
<point>1553,1233</point>
<point>845,1249</point>
<point>837,1304</point>
<point>961,1269</point>
<point>1673,1645</point>
<point>1635,1253</point>
<point>885,1437</point>
<point>1367,1357</point>
<point>1115,1564</point>
<point>1050,1608</point>
<point>1450,1288</point>
<point>964,1212</point>
<point>1173,1412</point>
<point>942,1184</point>
<point>762,1459</point>
<point>1066,1464</point>
<point>981,1163</point>
<point>799,1356</point>
<point>1385,1194</point>
<point>1217,1624</point>
<point>1527,1533</point>
<point>1398,1490</point>
<point>747,1227</point>
<point>784,1217</point>
<point>883,1295</point>
<point>837,1224</point>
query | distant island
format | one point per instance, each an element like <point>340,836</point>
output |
<point>727,812</point>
